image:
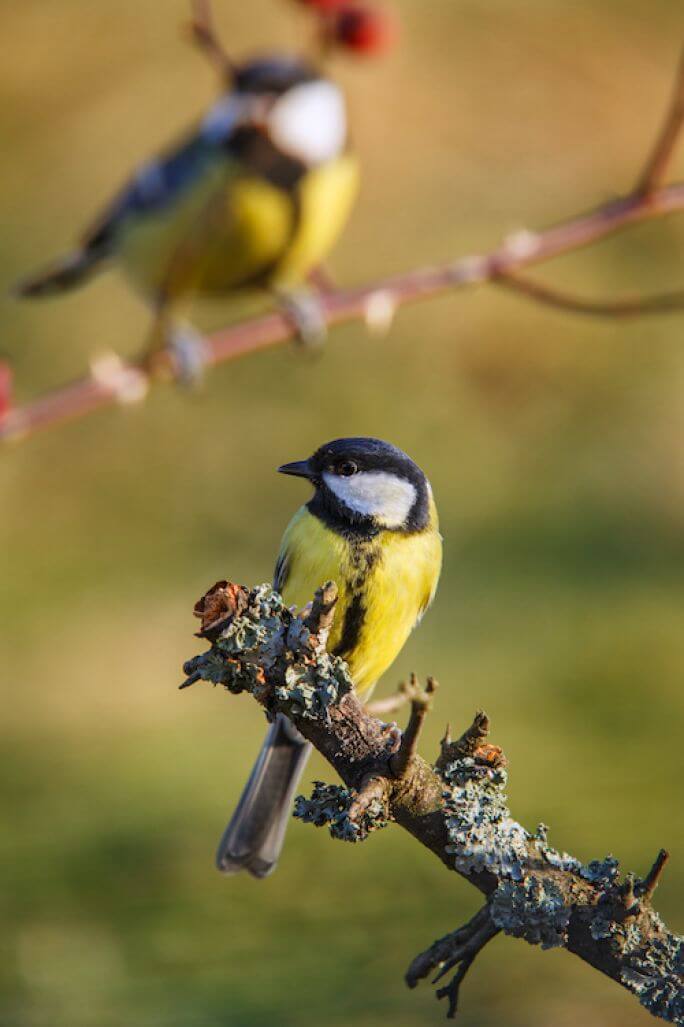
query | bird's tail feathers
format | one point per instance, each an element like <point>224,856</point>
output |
<point>63,274</point>
<point>254,837</point>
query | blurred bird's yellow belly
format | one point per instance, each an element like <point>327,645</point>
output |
<point>233,230</point>
<point>385,584</point>
<point>325,199</point>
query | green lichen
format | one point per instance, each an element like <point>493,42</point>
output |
<point>329,805</point>
<point>533,909</point>
<point>655,974</point>
<point>482,833</point>
<point>268,642</point>
<point>483,836</point>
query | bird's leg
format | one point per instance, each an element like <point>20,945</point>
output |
<point>174,350</point>
<point>304,310</point>
<point>189,353</point>
<point>321,280</point>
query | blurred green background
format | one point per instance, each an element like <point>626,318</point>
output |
<point>554,444</point>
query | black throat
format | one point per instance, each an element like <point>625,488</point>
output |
<point>340,519</point>
<point>259,155</point>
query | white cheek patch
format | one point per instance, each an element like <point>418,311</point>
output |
<point>376,494</point>
<point>309,122</point>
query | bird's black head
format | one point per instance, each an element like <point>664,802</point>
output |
<point>365,485</point>
<point>281,117</point>
<point>273,75</point>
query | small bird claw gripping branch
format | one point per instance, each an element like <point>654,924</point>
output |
<point>375,304</point>
<point>457,808</point>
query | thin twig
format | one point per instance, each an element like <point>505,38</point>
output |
<point>655,170</point>
<point>441,950</point>
<point>464,958</point>
<point>391,704</point>
<point>650,882</point>
<point>374,788</point>
<point>628,306</point>
<point>203,33</point>
<point>322,613</point>
<point>421,702</point>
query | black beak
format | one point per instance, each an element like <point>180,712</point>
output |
<point>298,468</point>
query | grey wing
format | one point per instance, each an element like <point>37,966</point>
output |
<point>282,570</point>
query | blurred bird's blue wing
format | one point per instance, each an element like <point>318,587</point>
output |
<point>155,186</point>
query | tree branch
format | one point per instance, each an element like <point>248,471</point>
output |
<point>656,167</point>
<point>203,34</point>
<point>627,306</point>
<point>457,808</point>
<point>112,381</point>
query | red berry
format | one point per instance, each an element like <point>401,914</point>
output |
<point>5,389</point>
<point>365,29</point>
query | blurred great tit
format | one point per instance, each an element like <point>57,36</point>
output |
<point>371,526</point>
<point>255,197</point>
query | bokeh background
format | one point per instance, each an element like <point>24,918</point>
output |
<point>554,444</point>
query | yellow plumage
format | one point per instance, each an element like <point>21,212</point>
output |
<point>392,577</point>
<point>234,229</point>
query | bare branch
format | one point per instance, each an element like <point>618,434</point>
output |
<point>421,702</point>
<point>656,168</point>
<point>650,882</point>
<point>203,34</point>
<point>392,704</point>
<point>458,809</point>
<point>626,306</point>
<point>127,383</point>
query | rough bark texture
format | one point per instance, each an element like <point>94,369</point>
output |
<point>456,808</point>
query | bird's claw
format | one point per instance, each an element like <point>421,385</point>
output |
<point>189,353</point>
<point>304,311</point>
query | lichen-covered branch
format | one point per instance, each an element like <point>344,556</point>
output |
<point>456,808</point>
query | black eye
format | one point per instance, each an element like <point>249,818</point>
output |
<point>346,469</point>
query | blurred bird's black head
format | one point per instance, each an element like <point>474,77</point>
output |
<point>273,75</point>
<point>365,485</point>
<point>279,110</point>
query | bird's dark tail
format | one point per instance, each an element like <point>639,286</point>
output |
<point>64,274</point>
<point>254,837</point>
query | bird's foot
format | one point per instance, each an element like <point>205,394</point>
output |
<point>190,353</point>
<point>180,354</point>
<point>304,310</point>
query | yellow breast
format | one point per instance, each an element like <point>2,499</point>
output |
<point>232,229</point>
<point>385,585</point>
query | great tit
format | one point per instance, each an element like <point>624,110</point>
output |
<point>371,526</point>
<point>255,196</point>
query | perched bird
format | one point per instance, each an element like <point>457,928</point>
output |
<point>255,197</point>
<point>371,526</point>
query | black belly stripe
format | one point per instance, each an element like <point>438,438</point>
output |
<point>351,628</point>
<point>364,558</point>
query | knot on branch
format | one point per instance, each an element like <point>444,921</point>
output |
<point>350,816</point>
<point>471,743</point>
<point>258,645</point>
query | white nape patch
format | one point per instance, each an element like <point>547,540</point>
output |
<point>309,122</point>
<point>377,494</point>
